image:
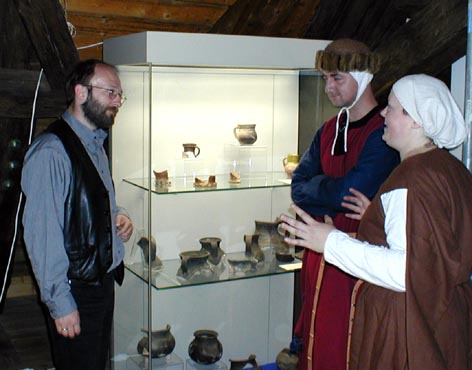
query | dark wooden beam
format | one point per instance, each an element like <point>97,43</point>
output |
<point>277,18</point>
<point>47,29</point>
<point>21,82</point>
<point>48,106</point>
<point>430,42</point>
<point>15,45</point>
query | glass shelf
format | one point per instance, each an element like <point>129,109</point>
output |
<point>186,184</point>
<point>168,276</point>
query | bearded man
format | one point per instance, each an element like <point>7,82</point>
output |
<point>73,229</point>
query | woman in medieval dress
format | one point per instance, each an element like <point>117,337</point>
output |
<point>412,307</point>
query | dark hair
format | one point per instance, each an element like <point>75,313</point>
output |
<point>81,75</point>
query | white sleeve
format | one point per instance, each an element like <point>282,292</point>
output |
<point>375,264</point>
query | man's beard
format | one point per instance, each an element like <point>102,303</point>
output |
<point>96,113</point>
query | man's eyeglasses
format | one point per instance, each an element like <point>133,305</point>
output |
<point>112,94</point>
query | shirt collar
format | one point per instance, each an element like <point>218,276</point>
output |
<point>92,139</point>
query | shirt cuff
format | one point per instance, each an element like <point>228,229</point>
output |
<point>62,307</point>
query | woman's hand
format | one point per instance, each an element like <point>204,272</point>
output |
<point>357,204</point>
<point>308,233</point>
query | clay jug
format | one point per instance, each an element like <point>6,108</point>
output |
<point>245,134</point>
<point>162,343</point>
<point>290,162</point>
<point>205,348</point>
<point>190,150</point>
<point>269,235</point>
<point>212,246</point>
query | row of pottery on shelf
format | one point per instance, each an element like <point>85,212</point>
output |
<point>267,234</point>
<point>290,163</point>
<point>205,348</point>
<point>244,133</point>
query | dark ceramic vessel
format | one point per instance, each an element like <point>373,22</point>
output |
<point>253,249</point>
<point>205,348</point>
<point>212,246</point>
<point>241,363</point>
<point>149,252</point>
<point>270,235</point>
<point>162,343</point>
<point>190,261</point>
<point>245,134</point>
<point>287,360</point>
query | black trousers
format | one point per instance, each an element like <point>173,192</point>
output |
<point>91,349</point>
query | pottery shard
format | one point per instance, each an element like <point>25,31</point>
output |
<point>210,183</point>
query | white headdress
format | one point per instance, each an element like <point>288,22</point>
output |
<point>429,102</point>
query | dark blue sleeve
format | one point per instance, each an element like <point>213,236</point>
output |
<point>319,194</point>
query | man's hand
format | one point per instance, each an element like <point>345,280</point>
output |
<point>124,226</point>
<point>68,326</point>
<point>357,203</point>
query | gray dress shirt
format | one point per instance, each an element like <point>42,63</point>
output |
<point>45,182</point>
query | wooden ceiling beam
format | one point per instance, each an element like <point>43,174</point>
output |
<point>21,82</point>
<point>431,41</point>
<point>125,25</point>
<point>193,13</point>
<point>47,29</point>
<point>277,18</point>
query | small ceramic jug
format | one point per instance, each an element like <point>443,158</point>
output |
<point>290,162</point>
<point>269,234</point>
<point>205,348</point>
<point>190,150</point>
<point>245,134</point>
<point>212,246</point>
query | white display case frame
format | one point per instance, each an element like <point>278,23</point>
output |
<point>195,88</point>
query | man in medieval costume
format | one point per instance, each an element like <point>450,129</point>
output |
<point>346,152</point>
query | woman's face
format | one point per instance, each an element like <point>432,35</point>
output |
<point>398,124</point>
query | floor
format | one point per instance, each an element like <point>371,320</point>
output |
<point>23,336</point>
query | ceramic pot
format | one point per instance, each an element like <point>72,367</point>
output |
<point>245,134</point>
<point>191,150</point>
<point>287,360</point>
<point>242,265</point>
<point>191,261</point>
<point>241,364</point>
<point>205,348</point>
<point>162,179</point>
<point>269,235</point>
<point>162,343</point>
<point>290,162</point>
<point>253,248</point>
<point>149,251</point>
<point>212,246</point>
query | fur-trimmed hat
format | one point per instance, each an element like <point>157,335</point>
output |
<point>346,55</point>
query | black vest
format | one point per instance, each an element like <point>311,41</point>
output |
<point>87,221</point>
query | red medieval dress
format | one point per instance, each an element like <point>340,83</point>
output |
<point>318,186</point>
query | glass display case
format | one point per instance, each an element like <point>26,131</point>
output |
<point>197,160</point>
